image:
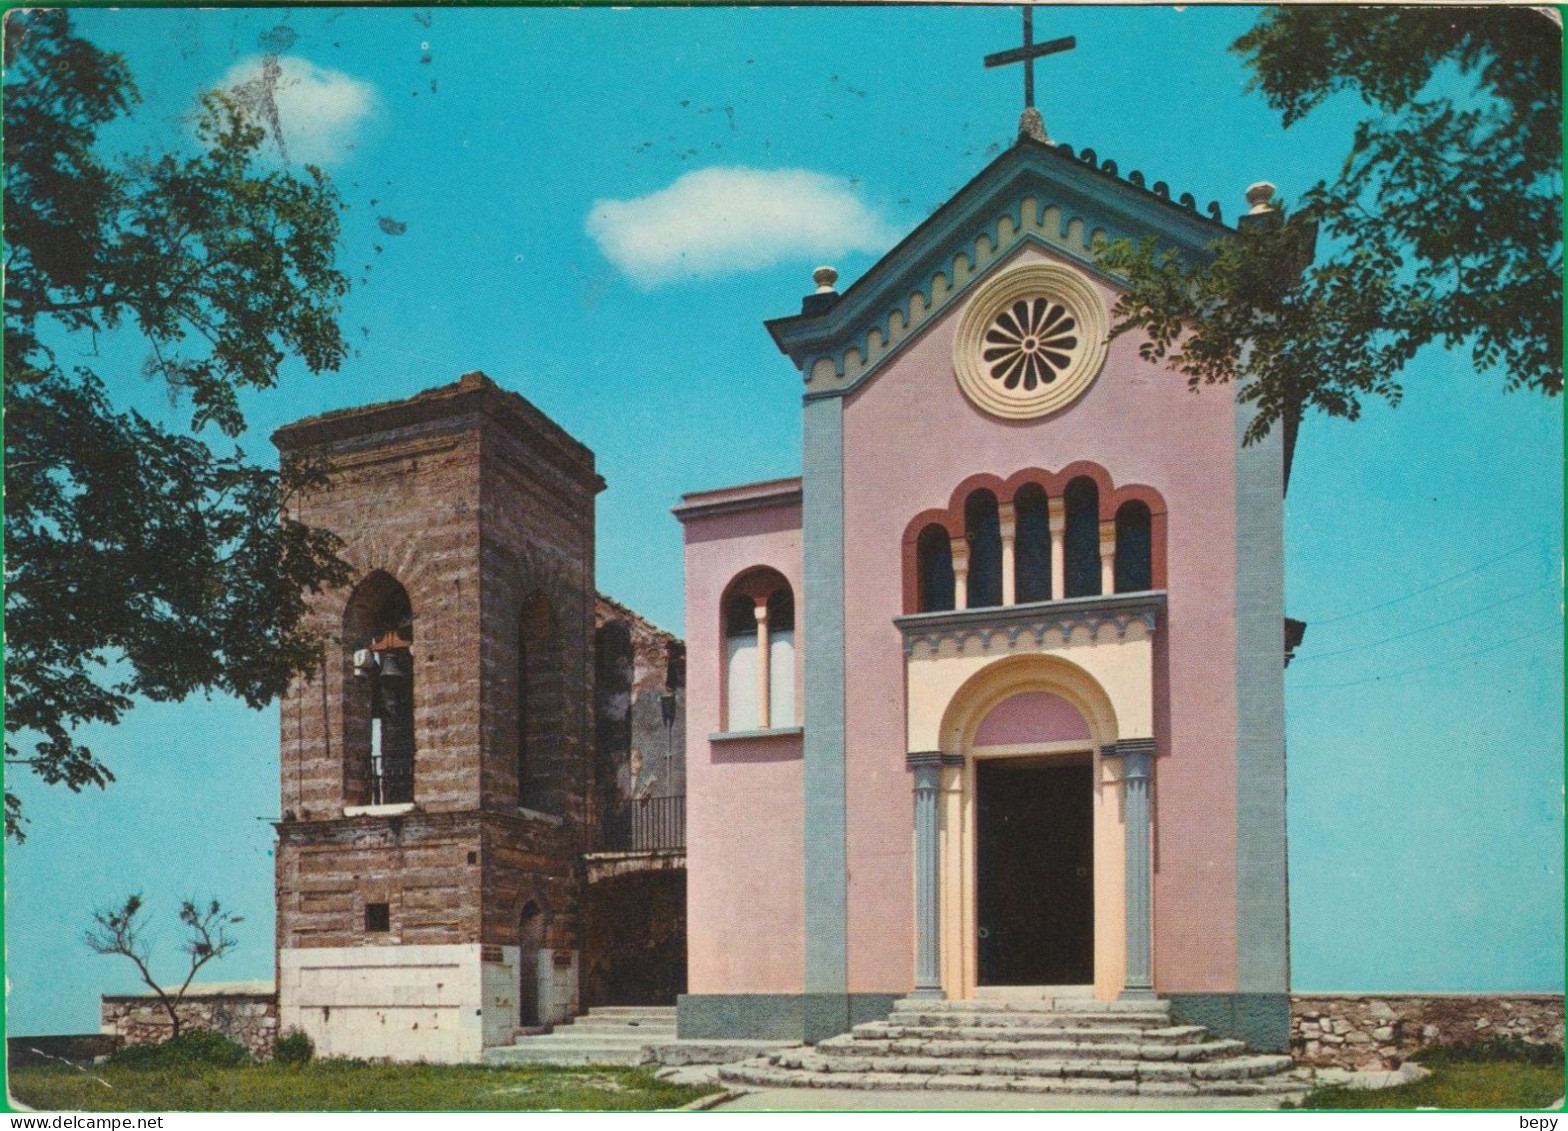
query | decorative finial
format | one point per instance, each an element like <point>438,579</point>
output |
<point>1259,195</point>
<point>825,277</point>
<point>1031,125</point>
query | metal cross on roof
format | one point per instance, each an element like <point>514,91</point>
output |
<point>1028,53</point>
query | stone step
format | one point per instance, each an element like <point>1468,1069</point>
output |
<point>1166,1035</point>
<point>1233,1068</point>
<point>1002,1019</point>
<point>615,1025</point>
<point>666,1012</point>
<point>762,1073</point>
<point>529,1052</point>
<point>565,1038</point>
<point>1038,1050</point>
<point>1031,1005</point>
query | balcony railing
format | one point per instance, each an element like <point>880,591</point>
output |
<point>657,823</point>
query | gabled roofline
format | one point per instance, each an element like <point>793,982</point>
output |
<point>901,287</point>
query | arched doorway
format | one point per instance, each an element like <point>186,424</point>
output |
<point>531,923</point>
<point>1032,891</point>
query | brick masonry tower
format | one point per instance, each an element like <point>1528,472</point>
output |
<point>437,772</point>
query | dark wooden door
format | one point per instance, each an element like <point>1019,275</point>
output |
<point>1036,873</point>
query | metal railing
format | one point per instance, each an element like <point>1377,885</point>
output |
<point>658,823</point>
<point>391,780</point>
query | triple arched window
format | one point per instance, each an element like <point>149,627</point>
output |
<point>1041,538</point>
<point>759,652</point>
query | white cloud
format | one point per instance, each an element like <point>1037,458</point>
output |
<point>311,113</point>
<point>730,218</point>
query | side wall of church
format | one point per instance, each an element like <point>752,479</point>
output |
<point>745,853</point>
<point>910,439</point>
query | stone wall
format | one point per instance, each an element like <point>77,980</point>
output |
<point>1367,1031</point>
<point>638,756</point>
<point>246,1011</point>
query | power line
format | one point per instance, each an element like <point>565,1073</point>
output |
<point>1435,663</point>
<point>1428,588</point>
<point>1428,627</point>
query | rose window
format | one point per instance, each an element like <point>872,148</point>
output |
<point>1029,343</point>
<point>1031,340</point>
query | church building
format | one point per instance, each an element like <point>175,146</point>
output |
<point>988,702</point>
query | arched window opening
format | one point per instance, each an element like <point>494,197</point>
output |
<point>740,652</point>
<point>1032,561</point>
<point>759,643</point>
<point>1134,548</point>
<point>536,724</point>
<point>378,722</point>
<point>1082,541</point>
<point>983,528</point>
<point>781,658</point>
<point>934,566</point>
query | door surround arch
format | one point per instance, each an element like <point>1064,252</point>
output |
<point>969,704</point>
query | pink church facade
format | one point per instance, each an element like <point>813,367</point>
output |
<point>989,702</point>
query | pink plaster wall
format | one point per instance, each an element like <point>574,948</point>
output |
<point>910,437</point>
<point>744,819</point>
<point>1031,717</point>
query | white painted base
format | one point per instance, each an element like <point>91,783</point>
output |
<point>401,1003</point>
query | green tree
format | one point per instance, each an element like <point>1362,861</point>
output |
<point>1446,218</point>
<point>118,930</point>
<point>140,560</point>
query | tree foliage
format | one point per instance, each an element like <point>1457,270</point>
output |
<point>1449,214</point>
<point>142,560</point>
<point>118,930</point>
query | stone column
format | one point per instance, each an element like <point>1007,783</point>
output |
<point>927,767</point>
<point>1108,557</point>
<point>1137,758</point>
<point>1009,524</point>
<point>1056,517</point>
<point>960,573</point>
<point>764,675</point>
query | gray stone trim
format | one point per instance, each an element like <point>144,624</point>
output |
<point>1123,747</point>
<point>917,759</point>
<point>927,768</point>
<point>1037,618</point>
<point>1262,1020</point>
<point>753,735</point>
<point>707,1017</point>
<point>1262,942</point>
<point>825,822</point>
<point>774,1017</point>
<point>788,493</point>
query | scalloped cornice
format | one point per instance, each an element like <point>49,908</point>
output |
<point>1033,193</point>
<point>999,629</point>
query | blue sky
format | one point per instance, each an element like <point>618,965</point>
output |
<point>522,189</point>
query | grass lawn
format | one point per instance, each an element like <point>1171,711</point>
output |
<point>1501,1084</point>
<point>347,1086</point>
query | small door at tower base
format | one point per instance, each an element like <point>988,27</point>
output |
<point>557,981</point>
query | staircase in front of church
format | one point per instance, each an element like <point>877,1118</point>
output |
<point>1109,1048</point>
<point>608,1034</point>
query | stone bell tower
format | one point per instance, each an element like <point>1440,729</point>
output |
<point>437,783</point>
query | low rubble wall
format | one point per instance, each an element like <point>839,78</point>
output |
<point>246,1011</point>
<point>1379,1031</point>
